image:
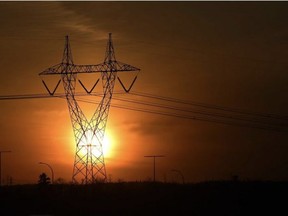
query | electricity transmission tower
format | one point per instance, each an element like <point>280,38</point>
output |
<point>89,165</point>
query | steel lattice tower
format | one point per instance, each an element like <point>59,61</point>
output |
<point>89,165</point>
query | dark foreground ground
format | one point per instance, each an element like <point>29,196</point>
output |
<point>210,198</point>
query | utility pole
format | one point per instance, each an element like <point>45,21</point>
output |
<point>154,164</point>
<point>1,165</point>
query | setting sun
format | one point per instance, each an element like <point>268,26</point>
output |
<point>89,142</point>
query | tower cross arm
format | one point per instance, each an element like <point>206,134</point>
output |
<point>125,67</point>
<point>106,67</point>
<point>53,70</point>
<point>63,68</point>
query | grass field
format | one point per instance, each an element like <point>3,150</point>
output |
<point>146,198</point>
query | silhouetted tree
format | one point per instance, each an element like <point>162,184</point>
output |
<point>44,179</point>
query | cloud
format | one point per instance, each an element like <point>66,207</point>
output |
<point>45,20</point>
<point>81,24</point>
<point>152,127</point>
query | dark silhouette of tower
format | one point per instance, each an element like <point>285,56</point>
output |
<point>89,165</point>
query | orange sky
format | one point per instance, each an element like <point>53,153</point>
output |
<point>230,54</point>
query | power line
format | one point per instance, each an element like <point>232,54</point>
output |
<point>210,106</point>
<point>39,96</point>
<point>221,121</point>
<point>222,118</point>
<point>207,113</point>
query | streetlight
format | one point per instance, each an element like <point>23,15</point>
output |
<point>1,165</point>
<point>178,171</point>
<point>50,169</point>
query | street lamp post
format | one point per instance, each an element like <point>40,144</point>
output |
<point>50,169</point>
<point>1,165</point>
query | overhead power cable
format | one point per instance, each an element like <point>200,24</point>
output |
<point>243,118</point>
<point>193,117</point>
<point>39,96</point>
<point>209,106</point>
<point>205,112</point>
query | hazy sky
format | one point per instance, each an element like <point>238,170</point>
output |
<point>231,54</point>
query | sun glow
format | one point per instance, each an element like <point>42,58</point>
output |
<point>90,143</point>
<point>108,144</point>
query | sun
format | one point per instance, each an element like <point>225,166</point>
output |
<point>107,143</point>
<point>89,140</point>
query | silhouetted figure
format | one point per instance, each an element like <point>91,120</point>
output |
<point>43,179</point>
